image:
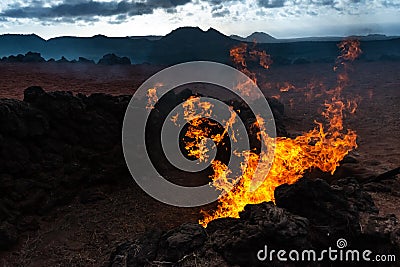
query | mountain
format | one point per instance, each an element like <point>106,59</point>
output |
<point>12,44</point>
<point>147,37</point>
<point>192,43</point>
<point>194,35</point>
<point>258,37</point>
<point>362,38</point>
<point>261,37</point>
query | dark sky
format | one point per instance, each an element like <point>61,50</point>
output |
<point>280,18</point>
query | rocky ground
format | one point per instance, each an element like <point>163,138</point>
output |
<point>86,204</point>
<point>309,214</point>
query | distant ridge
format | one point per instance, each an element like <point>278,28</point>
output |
<point>148,37</point>
<point>191,44</point>
<point>258,37</point>
<point>195,34</point>
<point>262,37</point>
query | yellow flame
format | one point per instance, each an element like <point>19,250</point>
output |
<point>321,148</point>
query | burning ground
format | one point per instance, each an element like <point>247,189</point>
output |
<point>99,214</point>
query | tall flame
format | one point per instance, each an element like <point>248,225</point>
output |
<point>321,148</point>
<point>196,114</point>
<point>152,97</point>
<point>240,54</point>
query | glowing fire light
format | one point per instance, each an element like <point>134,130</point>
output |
<point>321,148</point>
<point>199,130</point>
<point>152,97</point>
<point>240,53</point>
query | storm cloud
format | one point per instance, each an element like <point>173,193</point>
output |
<point>271,3</point>
<point>122,10</point>
<point>81,9</point>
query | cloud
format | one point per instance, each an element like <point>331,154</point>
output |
<point>271,3</point>
<point>81,9</point>
<point>119,11</point>
<point>341,5</point>
<point>320,8</point>
<point>220,2</point>
<point>219,7</point>
<point>220,14</point>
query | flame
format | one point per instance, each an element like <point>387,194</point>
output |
<point>264,59</point>
<point>240,53</point>
<point>197,114</point>
<point>286,87</point>
<point>311,87</point>
<point>175,118</point>
<point>152,97</point>
<point>321,148</point>
<point>350,50</point>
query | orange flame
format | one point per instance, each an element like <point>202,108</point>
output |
<point>264,59</point>
<point>152,97</point>
<point>196,114</point>
<point>240,53</point>
<point>321,148</point>
<point>286,87</point>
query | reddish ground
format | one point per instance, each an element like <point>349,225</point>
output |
<point>78,78</point>
<point>84,235</point>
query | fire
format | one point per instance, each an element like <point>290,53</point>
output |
<point>264,59</point>
<point>152,97</point>
<point>350,50</point>
<point>240,54</point>
<point>321,148</point>
<point>286,87</point>
<point>196,114</point>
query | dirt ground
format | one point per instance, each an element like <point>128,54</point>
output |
<point>85,234</point>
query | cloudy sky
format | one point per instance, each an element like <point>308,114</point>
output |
<point>280,18</point>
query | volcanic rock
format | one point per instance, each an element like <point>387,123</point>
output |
<point>169,246</point>
<point>236,240</point>
<point>384,227</point>
<point>65,144</point>
<point>112,59</point>
<point>63,60</point>
<point>29,57</point>
<point>8,235</point>
<point>85,60</point>
<point>55,142</point>
<point>310,214</point>
<point>239,240</point>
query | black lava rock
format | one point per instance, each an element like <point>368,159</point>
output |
<point>112,59</point>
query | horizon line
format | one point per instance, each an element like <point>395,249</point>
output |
<point>194,27</point>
